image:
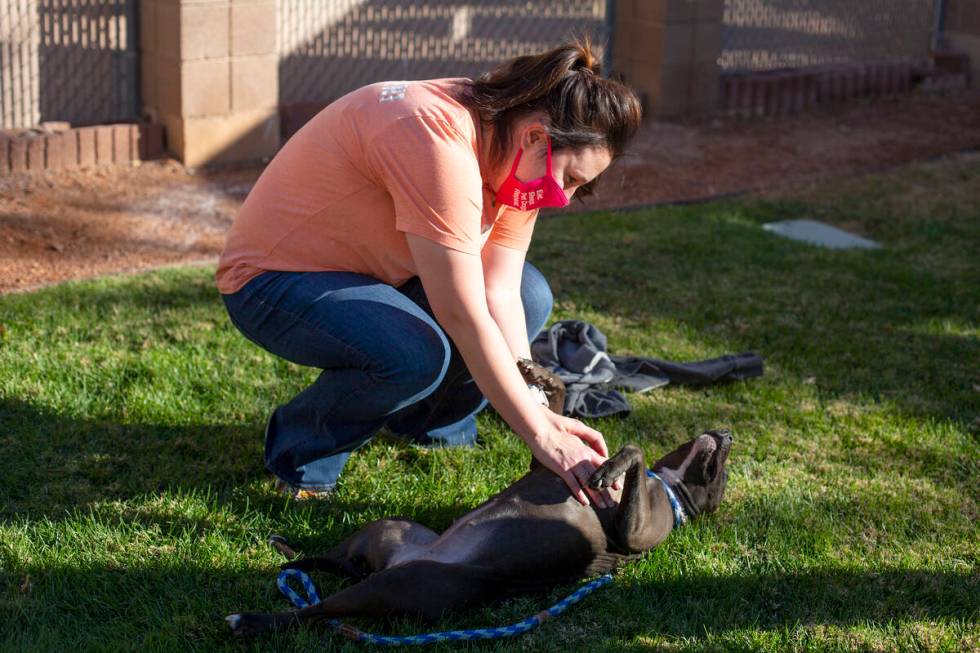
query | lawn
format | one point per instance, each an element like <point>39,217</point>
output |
<point>134,509</point>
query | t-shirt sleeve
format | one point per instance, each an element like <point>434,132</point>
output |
<point>433,176</point>
<point>514,228</point>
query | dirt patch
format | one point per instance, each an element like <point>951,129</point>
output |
<point>680,161</point>
<point>64,225</point>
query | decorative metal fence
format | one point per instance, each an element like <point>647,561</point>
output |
<point>71,60</point>
<point>330,47</point>
<point>768,34</point>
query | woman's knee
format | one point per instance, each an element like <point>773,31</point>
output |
<point>416,364</point>
<point>537,299</point>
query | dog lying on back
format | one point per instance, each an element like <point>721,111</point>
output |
<point>529,537</point>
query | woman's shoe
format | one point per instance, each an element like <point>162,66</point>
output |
<point>298,493</point>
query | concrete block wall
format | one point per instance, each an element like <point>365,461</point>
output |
<point>668,51</point>
<point>210,76</point>
<point>961,30</point>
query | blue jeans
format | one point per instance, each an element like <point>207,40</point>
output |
<point>385,361</point>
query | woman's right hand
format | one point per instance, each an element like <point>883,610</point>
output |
<point>571,450</point>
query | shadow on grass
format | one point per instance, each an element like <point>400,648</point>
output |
<point>177,605</point>
<point>52,463</point>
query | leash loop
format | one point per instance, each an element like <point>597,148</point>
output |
<point>294,597</point>
<point>358,635</point>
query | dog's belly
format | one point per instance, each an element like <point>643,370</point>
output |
<point>457,544</point>
<point>462,550</point>
<point>510,535</point>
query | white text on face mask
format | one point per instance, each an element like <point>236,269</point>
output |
<point>525,200</point>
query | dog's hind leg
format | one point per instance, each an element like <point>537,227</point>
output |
<point>373,548</point>
<point>422,588</point>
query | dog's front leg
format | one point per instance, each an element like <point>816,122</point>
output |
<point>643,518</point>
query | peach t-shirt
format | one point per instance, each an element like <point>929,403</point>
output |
<point>387,159</point>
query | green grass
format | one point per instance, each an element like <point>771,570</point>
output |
<point>133,507</point>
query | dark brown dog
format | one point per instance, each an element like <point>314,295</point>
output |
<point>529,537</point>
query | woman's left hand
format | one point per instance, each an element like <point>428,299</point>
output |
<point>574,451</point>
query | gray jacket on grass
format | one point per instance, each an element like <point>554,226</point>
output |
<point>576,352</point>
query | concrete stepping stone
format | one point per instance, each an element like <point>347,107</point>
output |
<point>814,232</point>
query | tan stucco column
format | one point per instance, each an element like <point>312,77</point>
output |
<point>962,31</point>
<point>210,75</point>
<point>668,51</point>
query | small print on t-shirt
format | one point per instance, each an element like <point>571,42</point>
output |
<point>392,92</point>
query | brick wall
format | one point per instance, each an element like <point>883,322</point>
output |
<point>773,93</point>
<point>36,150</point>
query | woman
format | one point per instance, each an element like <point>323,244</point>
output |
<point>385,244</point>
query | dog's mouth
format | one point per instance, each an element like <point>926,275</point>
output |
<point>722,441</point>
<point>710,445</point>
<point>716,450</point>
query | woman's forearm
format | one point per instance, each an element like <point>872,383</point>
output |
<point>508,312</point>
<point>491,363</point>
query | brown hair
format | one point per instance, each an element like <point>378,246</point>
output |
<point>584,109</point>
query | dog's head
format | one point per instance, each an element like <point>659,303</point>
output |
<point>696,471</point>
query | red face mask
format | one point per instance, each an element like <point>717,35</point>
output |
<point>534,194</point>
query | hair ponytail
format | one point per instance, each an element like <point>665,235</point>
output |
<point>584,109</point>
<point>586,59</point>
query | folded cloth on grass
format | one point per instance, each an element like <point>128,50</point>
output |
<point>577,352</point>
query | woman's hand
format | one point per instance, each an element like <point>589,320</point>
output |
<point>572,450</point>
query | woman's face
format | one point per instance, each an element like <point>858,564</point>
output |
<point>571,168</point>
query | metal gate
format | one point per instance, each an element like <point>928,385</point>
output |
<point>330,47</point>
<point>769,34</point>
<point>71,60</point>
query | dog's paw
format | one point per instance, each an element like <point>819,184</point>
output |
<point>606,475</point>
<point>246,625</point>
<point>616,466</point>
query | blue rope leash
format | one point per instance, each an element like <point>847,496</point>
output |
<point>357,635</point>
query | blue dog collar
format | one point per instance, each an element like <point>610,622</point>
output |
<point>675,505</point>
